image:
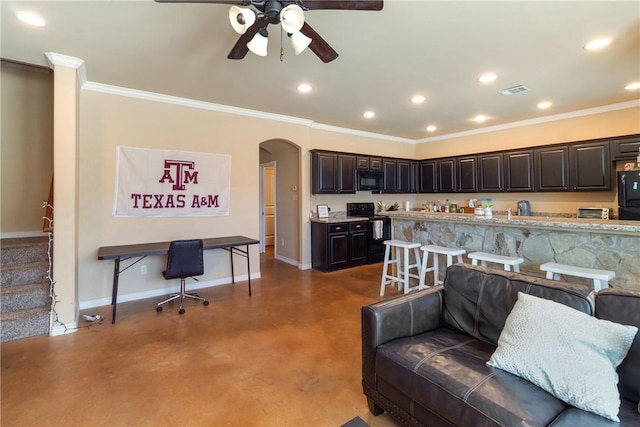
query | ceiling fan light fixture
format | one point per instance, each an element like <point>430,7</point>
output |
<point>299,42</point>
<point>241,18</point>
<point>292,18</point>
<point>259,42</point>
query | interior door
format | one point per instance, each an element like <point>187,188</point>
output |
<point>269,205</point>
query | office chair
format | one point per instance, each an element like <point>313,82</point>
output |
<point>185,259</point>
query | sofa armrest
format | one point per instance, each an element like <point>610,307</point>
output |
<point>399,317</point>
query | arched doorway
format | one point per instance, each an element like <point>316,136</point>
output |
<point>284,156</point>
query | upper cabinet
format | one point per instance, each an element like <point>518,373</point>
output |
<point>467,174</point>
<point>403,182</point>
<point>625,147</point>
<point>590,166</point>
<point>491,172</point>
<point>389,167</point>
<point>552,168</point>
<point>518,170</point>
<point>428,176</point>
<point>447,175</point>
<point>332,173</point>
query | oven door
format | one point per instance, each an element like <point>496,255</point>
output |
<point>379,231</point>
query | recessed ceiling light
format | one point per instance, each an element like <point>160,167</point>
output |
<point>369,114</point>
<point>487,78</point>
<point>480,118</point>
<point>418,99</point>
<point>633,86</point>
<point>431,128</point>
<point>544,105</point>
<point>304,88</point>
<point>598,43</point>
<point>31,19</point>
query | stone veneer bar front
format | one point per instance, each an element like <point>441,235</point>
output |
<point>602,244</point>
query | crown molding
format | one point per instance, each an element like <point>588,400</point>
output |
<point>56,59</point>
<point>562,116</point>
<point>356,132</point>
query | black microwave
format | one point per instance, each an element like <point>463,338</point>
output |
<point>369,180</point>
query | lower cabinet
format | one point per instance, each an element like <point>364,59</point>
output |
<point>336,245</point>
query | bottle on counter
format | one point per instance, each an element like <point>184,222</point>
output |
<point>447,206</point>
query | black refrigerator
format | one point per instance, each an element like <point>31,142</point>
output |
<point>629,195</point>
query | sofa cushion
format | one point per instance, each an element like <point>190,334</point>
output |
<point>568,353</point>
<point>445,371</point>
<point>478,300</point>
<point>623,306</point>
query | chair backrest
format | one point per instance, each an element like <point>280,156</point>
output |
<point>185,259</point>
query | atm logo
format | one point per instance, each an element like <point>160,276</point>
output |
<point>179,173</point>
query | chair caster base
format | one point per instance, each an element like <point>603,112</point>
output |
<point>205,302</point>
<point>181,311</point>
<point>159,308</point>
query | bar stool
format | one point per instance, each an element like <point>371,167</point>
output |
<point>401,260</point>
<point>600,277</point>
<point>435,251</point>
<point>506,261</point>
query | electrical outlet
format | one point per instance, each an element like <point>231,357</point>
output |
<point>282,242</point>
<point>143,269</point>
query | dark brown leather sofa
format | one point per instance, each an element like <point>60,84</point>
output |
<point>459,323</point>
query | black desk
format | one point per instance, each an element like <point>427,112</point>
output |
<point>232,244</point>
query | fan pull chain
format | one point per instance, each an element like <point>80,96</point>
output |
<point>281,48</point>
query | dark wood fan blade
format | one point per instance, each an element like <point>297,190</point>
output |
<point>240,49</point>
<point>318,45</point>
<point>343,4</point>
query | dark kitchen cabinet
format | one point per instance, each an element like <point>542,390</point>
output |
<point>415,177</point>
<point>519,170</point>
<point>467,174</point>
<point>491,172</point>
<point>338,245</point>
<point>390,178</point>
<point>590,168</point>
<point>333,173</point>
<point>375,163</point>
<point>552,168</point>
<point>346,173</point>
<point>362,162</point>
<point>447,175</point>
<point>428,176</point>
<point>403,183</point>
<point>625,147</point>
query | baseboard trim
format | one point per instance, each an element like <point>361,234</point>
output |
<point>100,302</point>
<point>65,329</point>
<point>287,260</point>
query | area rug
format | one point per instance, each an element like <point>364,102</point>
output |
<point>356,422</point>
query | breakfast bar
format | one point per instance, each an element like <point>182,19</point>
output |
<point>604,244</point>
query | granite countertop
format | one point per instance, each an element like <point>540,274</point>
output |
<point>579,224</point>
<point>333,219</point>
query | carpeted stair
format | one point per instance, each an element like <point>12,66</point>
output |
<point>25,304</point>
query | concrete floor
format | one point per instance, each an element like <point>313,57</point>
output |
<point>287,356</point>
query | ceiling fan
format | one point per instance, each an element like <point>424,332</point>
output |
<point>251,23</point>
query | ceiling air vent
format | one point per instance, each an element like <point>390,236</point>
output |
<point>513,90</point>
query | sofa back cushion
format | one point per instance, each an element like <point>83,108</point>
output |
<point>623,306</point>
<point>477,300</point>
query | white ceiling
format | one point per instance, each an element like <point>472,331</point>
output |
<point>436,48</point>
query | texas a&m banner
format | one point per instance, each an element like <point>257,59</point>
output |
<point>165,183</point>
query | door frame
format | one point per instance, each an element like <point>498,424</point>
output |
<point>263,166</point>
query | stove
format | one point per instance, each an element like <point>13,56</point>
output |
<point>379,229</point>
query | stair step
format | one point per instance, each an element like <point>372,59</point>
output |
<point>23,250</point>
<point>23,274</point>
<point>24,297</point>
<point>24,324</point>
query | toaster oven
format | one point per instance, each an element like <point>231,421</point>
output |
<point>594,213</point>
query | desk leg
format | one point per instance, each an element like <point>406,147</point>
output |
<point>114,295</point>
<point>248,270</point>
<point>233,276</point>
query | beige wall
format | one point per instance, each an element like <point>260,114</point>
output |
<point>26,147</point>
